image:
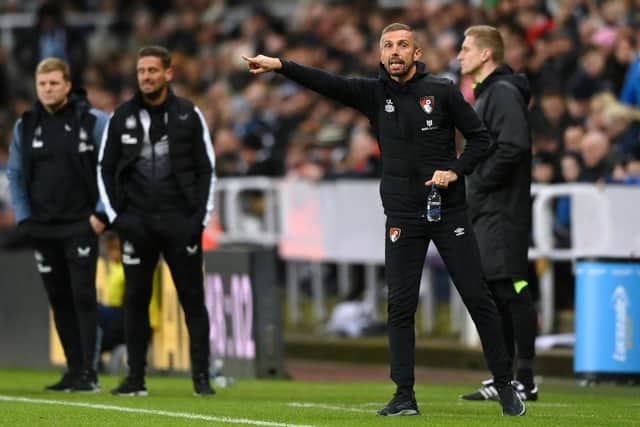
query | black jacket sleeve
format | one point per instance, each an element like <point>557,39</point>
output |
<point>356,93</point>
<point>107,159</point>
<point>505,116</point>
<point>467,121</point>
<point>205,164</point>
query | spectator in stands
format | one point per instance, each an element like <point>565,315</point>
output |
<point>362,159</point>
<point>598,162</point>
<point>544,168</point>
<point>52,178</point>
<point>499,192</point>
<point>618,62</point>
<point>621,123</point>
<point>328,147</point>
<point>551,116</point>
<point>627,171</point>
<point>227,150</point>
<point>630,93</point>
<point>572,138</point>
<point>571,170</point>
<point>545,141</point>
<point>632,171</point>
<point>51,37</point>
<point>587,79</point>
<point>418,149</point>
<point>156,177</point>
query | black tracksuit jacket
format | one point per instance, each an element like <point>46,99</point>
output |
<point>415,126</point>
<point>499,190</point>
<point>190,152</point>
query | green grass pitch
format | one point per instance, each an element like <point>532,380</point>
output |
<point>286,403</point>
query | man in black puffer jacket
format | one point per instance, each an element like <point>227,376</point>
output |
<point>499,198</point>
<point>52,177</point>
<point>414,116</point>
<point>156,178</point>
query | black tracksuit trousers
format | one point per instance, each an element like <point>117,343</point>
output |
<point>519,324</point>
<point>182,252</point>
<point>404,260</point>
<point>68,270</point>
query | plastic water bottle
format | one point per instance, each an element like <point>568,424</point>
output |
<point>434,204</point>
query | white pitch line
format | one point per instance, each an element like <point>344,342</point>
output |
<point>187,415</point>
<point>327,406</point>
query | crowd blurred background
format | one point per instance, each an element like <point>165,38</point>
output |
<point>581,57</point>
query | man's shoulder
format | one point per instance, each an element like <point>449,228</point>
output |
<point>27,118</point>
<point>501,92</point>
<point>437,85</point>
<point>438,81</point>
<point>183,103</point>
<point>124,109</point>
<point>26,115</point>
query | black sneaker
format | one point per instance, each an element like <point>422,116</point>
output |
<point>202,386</point>
<point>64,384</point>
<point>401,404</point>
<point>487,391</point>
<point>130,387</point>
<point>87,382</point>
<point>510,401</point>
<point>525,392</point>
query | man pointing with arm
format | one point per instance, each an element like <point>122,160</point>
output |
<point>414,116</point>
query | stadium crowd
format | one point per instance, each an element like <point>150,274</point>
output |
<point>581,57</point>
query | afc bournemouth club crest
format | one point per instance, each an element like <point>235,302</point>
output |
<point>394,234</point>
<point>428,103</point>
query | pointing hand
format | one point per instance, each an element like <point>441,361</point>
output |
<point>262,64</point>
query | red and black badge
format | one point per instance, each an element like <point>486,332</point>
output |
<point>428,103</point>
<point>394,234</point>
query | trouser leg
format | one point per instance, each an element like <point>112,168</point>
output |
<point>52,266</point>
<point>139,257</point>
<point>505,317</point>
<point>404,259</point>
<point>81,252</point>
<point>522,320</point>
<point>183,255</point>
<point>457,245</point>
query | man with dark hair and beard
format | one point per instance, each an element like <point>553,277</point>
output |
<point>499,199</point>
<point>414,116</point>
<point>156,179</point>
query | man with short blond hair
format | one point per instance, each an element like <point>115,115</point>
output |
<point>499,199</point>
<point>52,175</point>
<point>489,38</point>
<point>49,65</point>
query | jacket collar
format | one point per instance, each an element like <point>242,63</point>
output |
<point>139,101</point>
<point>75,99</point>
<point>500,72</point>
<point>421,71</point>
